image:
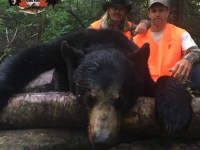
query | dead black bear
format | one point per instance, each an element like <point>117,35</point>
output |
<point>107,73</point>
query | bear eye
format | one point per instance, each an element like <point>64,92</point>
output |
<point>119,103</point>
<point>90,102</point>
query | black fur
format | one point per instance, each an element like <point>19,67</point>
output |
<point>96,62</point>
<point>173,103</point>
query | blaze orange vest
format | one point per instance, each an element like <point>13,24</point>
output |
<point>96,25</point>
<point>165,55</point>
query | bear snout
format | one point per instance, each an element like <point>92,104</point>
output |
<point>103,140</point>
<point>103,127</point>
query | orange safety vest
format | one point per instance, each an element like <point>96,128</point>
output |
<point>96,25</point>
<point>165,55</point>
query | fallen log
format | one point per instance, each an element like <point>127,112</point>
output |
<point>73,139</point>
<point>141,119</point>
<point>43,110</point>
<point>44,139</point>
<point>58,109</point>
<point>42,83</point>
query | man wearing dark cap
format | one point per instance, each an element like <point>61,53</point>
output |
<point>172,50</point>
<point>115,17</point>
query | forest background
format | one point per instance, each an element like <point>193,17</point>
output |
<point>19,30</point>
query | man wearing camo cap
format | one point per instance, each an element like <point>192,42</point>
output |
<point>172,50</point>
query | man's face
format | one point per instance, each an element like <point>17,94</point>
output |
<point>158,14</point>
<point>117,13</point>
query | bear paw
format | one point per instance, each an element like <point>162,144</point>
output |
<point>172,104</point>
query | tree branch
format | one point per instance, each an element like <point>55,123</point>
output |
<point>76,17</point>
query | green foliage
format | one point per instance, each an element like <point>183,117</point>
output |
<point>139,10</point>
<point>62,19</point>
<point>57,24</point>
<point>5,54</point>
<point>20,30</point>
<point>194,92</point>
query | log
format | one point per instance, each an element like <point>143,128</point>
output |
<point>74,139</point>
<point>52,80</point>
<point>44,139</point>
<point>42,83</point>
<point>43,110</point>
<point>141,119</point>
<point>59,109</point>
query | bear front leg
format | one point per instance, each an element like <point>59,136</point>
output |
<point>172,104</point>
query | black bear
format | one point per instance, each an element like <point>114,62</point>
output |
<point>107,73</point>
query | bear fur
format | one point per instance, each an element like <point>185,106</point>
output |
<point>107,73</point>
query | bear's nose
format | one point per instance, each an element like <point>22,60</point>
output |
<point>102,141</point>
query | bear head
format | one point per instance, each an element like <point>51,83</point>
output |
<point>107,82</point>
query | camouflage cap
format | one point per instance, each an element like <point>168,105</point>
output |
<point>163,2</point>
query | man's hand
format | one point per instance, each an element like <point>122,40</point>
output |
<point>141,28</point>
<point>182,69</point>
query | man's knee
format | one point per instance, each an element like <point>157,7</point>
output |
<point>194,76</point>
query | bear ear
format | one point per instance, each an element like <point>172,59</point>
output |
<point>142,55</point>
<point>69,52</point>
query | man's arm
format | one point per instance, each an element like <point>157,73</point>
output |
<point>192,54</point>
<point>141,28</point>
<point>183,67</point>
<point>147,22</point>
